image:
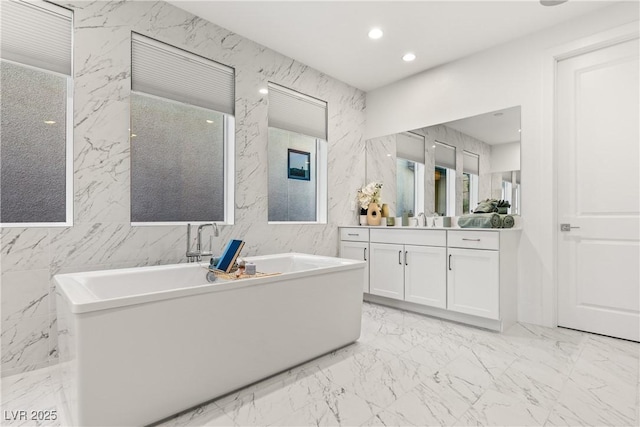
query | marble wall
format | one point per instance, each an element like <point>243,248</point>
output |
<point>381,167</point>
<point>102,236</point>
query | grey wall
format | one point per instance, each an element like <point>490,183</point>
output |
<point>102,237</point>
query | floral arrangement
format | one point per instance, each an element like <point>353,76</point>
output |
<point>370,193</point>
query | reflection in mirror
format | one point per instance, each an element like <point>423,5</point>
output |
<point>472,159</point>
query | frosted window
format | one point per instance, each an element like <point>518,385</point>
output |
<point>33,145</point>
<point>177,161</point>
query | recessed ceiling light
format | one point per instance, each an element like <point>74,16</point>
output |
<point>388,155</point>
<point>519,130</point>
<point>433,146</point>
<point>552,2</point>
<point>375,33</point>
<point>263,91</point>
<point>408,57</point>
<point>209,121</point>
<point>49,122</point>
<point>498,114</point>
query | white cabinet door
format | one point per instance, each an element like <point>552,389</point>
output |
<point>387,270</point>
<point>357,251</point>
<point>473,283</point>
<point>425,275</point>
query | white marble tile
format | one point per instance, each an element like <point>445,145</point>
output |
<point>331,408</point>
<point>24,294</point>
<point>532,383</point>
<point>499,409</point>
<point>24,248</point>
<point>25,343</point>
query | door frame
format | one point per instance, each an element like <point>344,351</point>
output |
<point>553,56</point>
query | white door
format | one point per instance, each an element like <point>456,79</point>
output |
<point>598,191</point>
<point>425,275</point>
<point>357,251</point>
<point>473,282</point>
<point>387,270</point>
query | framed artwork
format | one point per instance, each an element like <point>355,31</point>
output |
<point>299,165</point>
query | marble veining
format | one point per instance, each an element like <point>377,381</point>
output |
<point>429,372</point>
<point>102,237</point>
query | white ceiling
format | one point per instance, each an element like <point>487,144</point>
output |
<point>331,36</point>
<point>496,127</point>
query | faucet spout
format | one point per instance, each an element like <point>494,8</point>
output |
<point>199,253</point>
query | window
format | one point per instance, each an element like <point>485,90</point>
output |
<point>297,155</point>
<point>410,173</point>
<point>470,182</point>
<point>36,115</point>
<point>182,130</point>
<point>445,180</point>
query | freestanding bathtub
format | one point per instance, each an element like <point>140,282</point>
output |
<point>140,344</point>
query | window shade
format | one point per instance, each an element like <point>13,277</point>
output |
<point>410,146</point>
<point>295,112</point>
<point>168,72</point>
<point>445,156</point>
<point>471,163</point>
<point>36,34</point>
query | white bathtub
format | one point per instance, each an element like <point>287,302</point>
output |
<point>140,344</point>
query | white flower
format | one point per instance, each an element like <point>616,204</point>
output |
<point>370,193</point>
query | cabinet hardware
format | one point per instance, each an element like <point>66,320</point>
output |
<point>365,254</point>
<point>399,257</point>
<point>405,258</point>
<point>353,234</point>
<point>449,262</point>
<point>471,240</point>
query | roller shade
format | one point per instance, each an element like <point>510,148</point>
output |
<point>36,34</point>
<point>471,163</point>
<point>168,72</point>
<point>445,156</point>
<point>295,112</point>
<point>410,146</point>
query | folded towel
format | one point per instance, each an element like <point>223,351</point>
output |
<point>486,206</point>
<point>508,221</point>
<point>480,220</point>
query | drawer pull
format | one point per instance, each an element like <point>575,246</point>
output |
<point>353,234</point>
<point>400,257</point>
<point>365,254</point>
<point>471,240</point>
<point>449,262</point>
<point>405,258</point>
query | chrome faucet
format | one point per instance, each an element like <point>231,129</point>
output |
<point>197,255</point>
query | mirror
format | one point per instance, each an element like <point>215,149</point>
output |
<point>448,168</point>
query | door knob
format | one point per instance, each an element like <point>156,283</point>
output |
<point>566,227</point>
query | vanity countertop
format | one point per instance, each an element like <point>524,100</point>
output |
<point>379,227</point>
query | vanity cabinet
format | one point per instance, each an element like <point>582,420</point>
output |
<point>473,276</point>
<point>414,271</point>
<point>465,275</point>
<point>354,244</point>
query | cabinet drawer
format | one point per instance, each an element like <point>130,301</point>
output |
<point>474,239</point>
<point>354,234</point>
<point>410,236</point>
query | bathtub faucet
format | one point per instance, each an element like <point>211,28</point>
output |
<point>197,255</point>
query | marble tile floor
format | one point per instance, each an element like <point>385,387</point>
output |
<point>411,370</point>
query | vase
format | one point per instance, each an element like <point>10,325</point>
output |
<point>374,215</point>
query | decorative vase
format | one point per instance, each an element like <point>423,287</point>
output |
<point>363,220</point>
<point>385,210</point>
<point>374,215</point>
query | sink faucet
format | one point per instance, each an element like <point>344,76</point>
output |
<point>199,253</point>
